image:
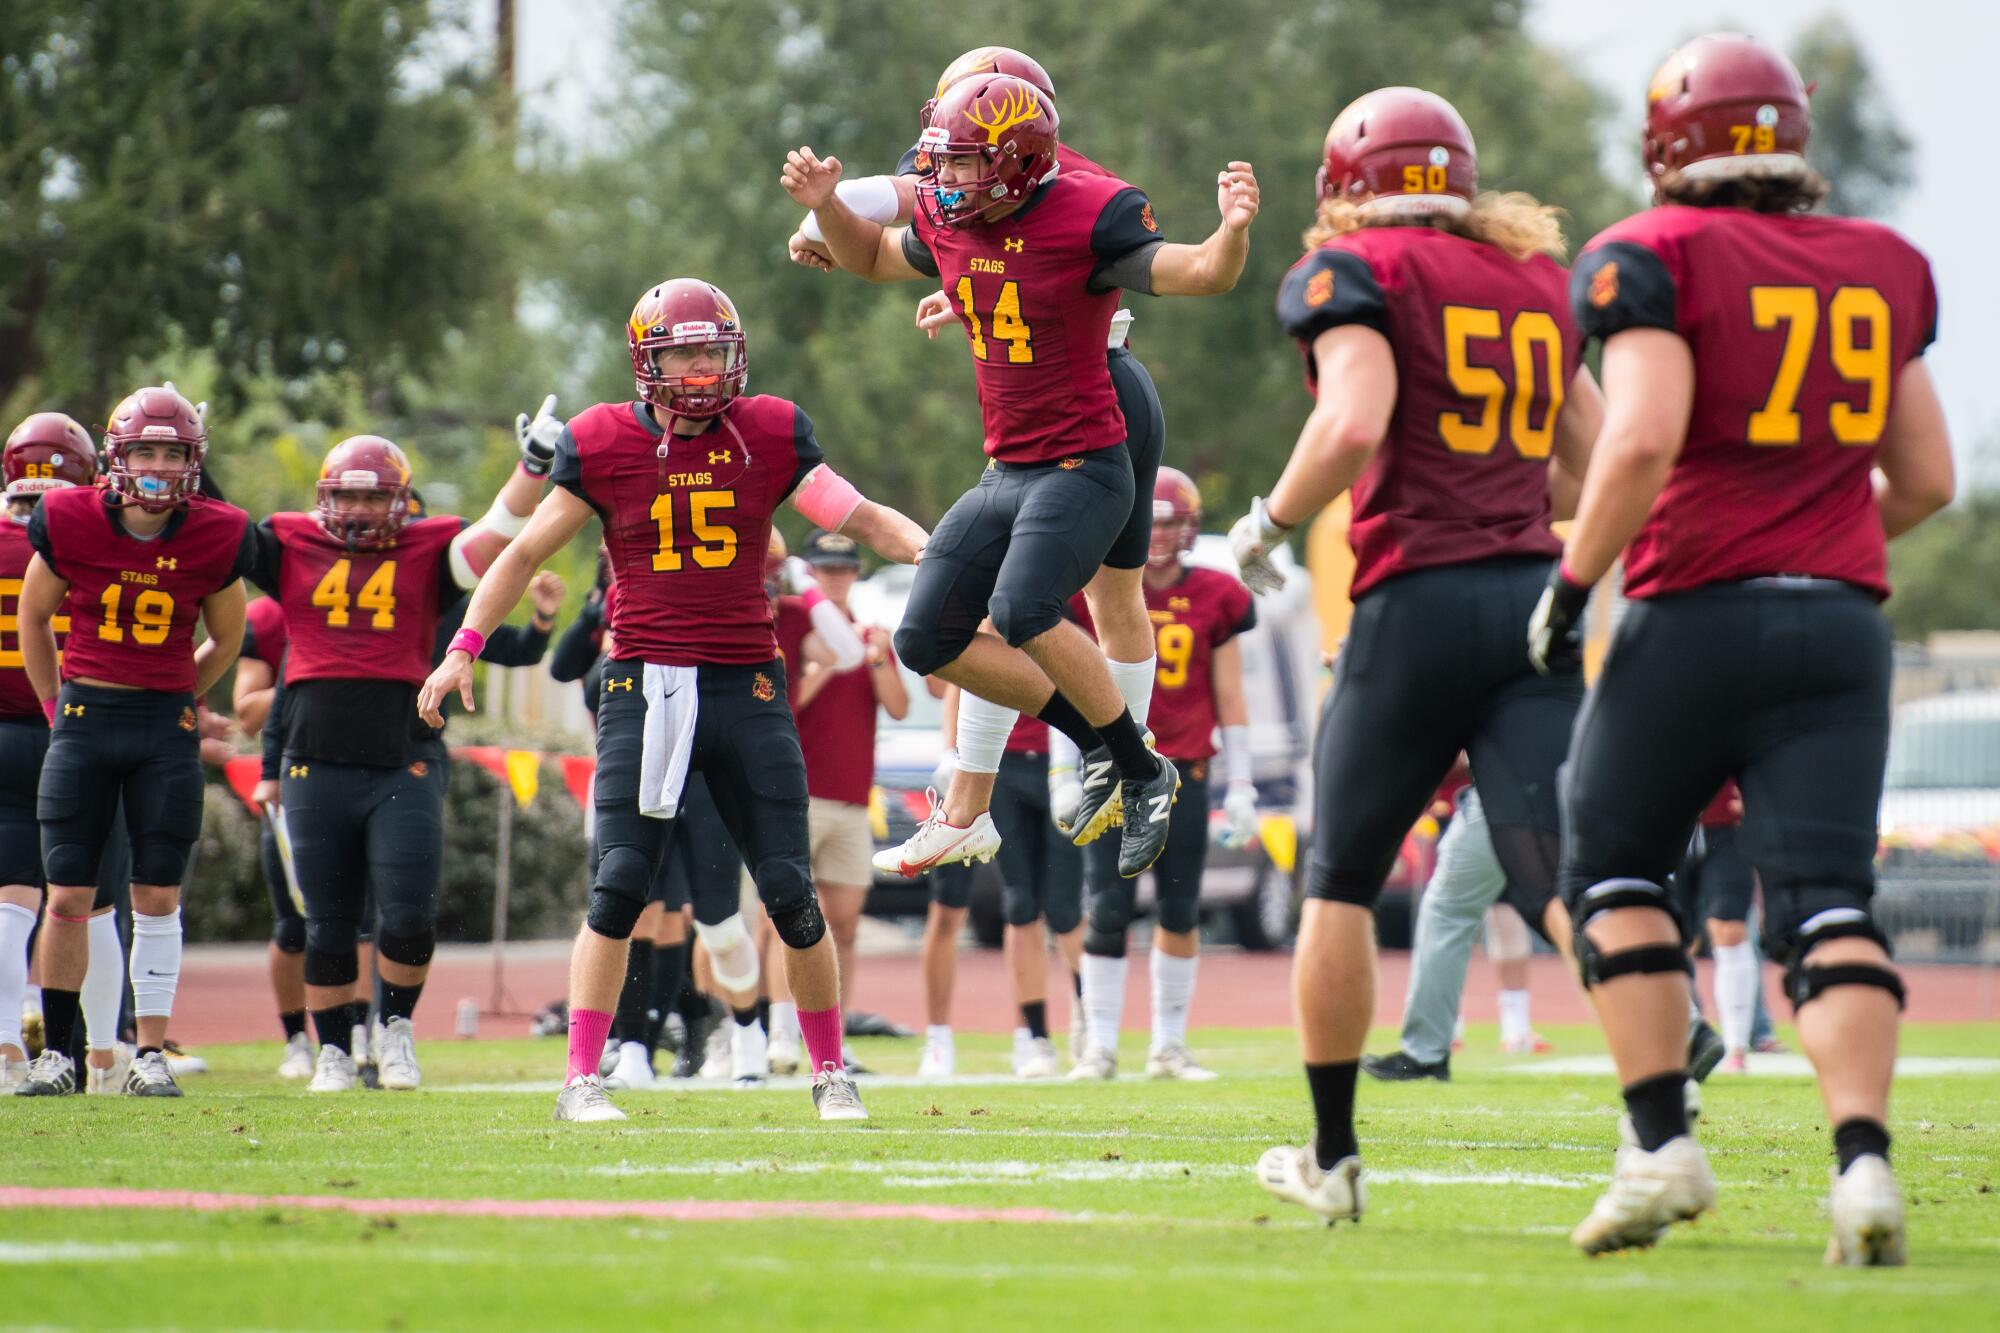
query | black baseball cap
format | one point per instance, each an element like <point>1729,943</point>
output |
<point>831,550</point>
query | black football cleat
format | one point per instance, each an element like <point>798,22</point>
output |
<point>1098,812</point>
<point>1402,1067</point>
<point>1148,810</point>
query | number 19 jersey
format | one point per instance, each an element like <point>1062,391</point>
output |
<point>1799,326</point>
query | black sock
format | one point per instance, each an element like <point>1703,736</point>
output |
<point>399,1001</point>
<point>60,1009</point>
<point>357,1014</point>
<point>1128,748</point>
<point>145,1051</point>
<point>1858,1138</point>
<point>764,1011</point>
<point>1035,1014</point>
<point>1658,1106</point>
<point>1332,1088</point>
<point>1076,979</point>
<point>1061,714</point>
<point>295,1023</point>
<point>628,1020</point>
<point>669,970</point>
<point>335,1027</point>
<point>744,1017</point>
<point>694,1006</point>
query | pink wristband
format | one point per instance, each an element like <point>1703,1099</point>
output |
<point>1562,568</point>
<point>49,710</point>
<point>468,640</point>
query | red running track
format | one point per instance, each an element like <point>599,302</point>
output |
<point>225,996</point>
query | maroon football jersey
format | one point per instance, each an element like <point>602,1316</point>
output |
<point>1799,326</point>
<point>17,696</point>
<point>265,636</point>
<point>362,614</point>
<point>837,734</point>
<point>1036,329</point>
<point>133,604</point>
<point>688,530</point>
<point>792,624</point>
<point>1191,619</point>
<point>1485,351</point>
<point>1029,736</point>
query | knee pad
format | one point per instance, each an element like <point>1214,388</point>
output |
<point>1062,918</point>
<point>331,969</point>
<point>1806,981</point>
<point>331,935</point>
<point>612,913</point>
<point>799,927</point>
<point>1177,915</point>
<point>413,949</point>
<point>1595,966</point>
<point>289,934</point>
<point>925,648</point>
<point>408,920</point>
<point>1103,943</point>
<point>731,953</point>
<point>1021,618</point>
<point>782,884</point>
<point>1107,916</point>
<point>160,860</point>
<point>1018,906</point>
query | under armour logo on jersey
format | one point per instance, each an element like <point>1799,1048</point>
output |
<point>624,684</point>
<point>718,456</point>
<point>166,562</point>
<point>1013,245</point>
<point>298,771</point>
<point>72,710</point>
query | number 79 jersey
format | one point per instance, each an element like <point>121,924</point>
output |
<point>687,520</point>
<point>1799,326</point>
<point>358,614</point>
<point>1485,351</point>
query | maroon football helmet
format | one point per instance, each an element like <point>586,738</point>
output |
<point>988,60</point>
<point>47,452</point>
<point>365,463</point>
<point>1726,106</point>
<point>1400,151</point>
<point>687,312</point>
<point>155,415</point>
<point>1006,122</point>
<point>1176,517</point>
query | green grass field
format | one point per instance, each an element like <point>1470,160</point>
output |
<point>1475,1187</point>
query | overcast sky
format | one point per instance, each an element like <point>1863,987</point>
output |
<point>1931,57</point>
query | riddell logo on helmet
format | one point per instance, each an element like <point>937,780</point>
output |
<point>159,433</point>
<point>696,328</point>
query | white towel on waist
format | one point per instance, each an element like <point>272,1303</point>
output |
<point>672,702</point>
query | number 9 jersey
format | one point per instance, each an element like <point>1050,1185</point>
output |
<point>133,603</point>
<point>1485,351</point>
<point>1799,326</point>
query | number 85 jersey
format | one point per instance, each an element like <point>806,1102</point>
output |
<point>1799,326</point>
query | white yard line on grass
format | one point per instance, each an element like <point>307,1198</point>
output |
<point>941,1175</point>
<point>1778,1066</point>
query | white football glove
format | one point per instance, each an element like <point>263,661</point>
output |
<point>1239,809</point>
<point>1252,539</point>
<point>538,437</point>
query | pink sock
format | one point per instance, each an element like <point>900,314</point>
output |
<point>822,1032</point>
<point>587,1030</point>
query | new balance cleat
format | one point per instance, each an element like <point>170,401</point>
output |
<point>396,1056</point>
<point>1705,1049</point>
<point>1175,1062</point>
<point>584,1100</point>
<point>51,1074</point>
<point>1867,1211</point>
<point>1149,809</point>
<point>1098,808</point>
<point>1337,1193</point>
<point>151,1076</point>
<point>298,1061</point>
<point>1649,1192</point>
<point>1097,1064</point>
<point>937,843</point>
<point>334,1071</point>
<point>834,1095</point>
<point>1402,1067</point>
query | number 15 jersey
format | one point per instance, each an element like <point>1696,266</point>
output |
<point>1799,326</point>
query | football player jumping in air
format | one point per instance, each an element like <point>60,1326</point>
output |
<point>362,584</point>
<point>1434,321</point>
<point>133,564</point>
<point>986,729</point>
<point>1770,422</point>
<point>1025,248</point>
<point>686,480</point>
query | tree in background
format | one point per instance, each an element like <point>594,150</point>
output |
<point>1857,143</point>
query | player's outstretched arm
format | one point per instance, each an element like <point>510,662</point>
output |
<point>42,593</point>
<point>864,248</point>
<point>1913,472</point>
<point>1577,425</point>
<point>888,532</point>
<point>474,550</point>
<point>1212,268</point>
<point>559,517</point>
<point>888,200</point>
<point>222,617</point>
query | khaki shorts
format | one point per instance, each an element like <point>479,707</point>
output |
<point>841,842</point>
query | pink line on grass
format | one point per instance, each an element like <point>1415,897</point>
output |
<point>681,1210</point>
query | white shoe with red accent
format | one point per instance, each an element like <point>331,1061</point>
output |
<point>937,843</point>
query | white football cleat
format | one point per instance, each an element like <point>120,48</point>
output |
<point>396,1056</point>
<point>1293,1174</point>
<point>1175,1062</point>
<point>334,1071</point>
<point>936,843</point>
<point>631,1069</point>
<point>110,1080</point>
<point>151,1076</point>
<point>939,1060</point>
<point>1097,1063</point>
<point>834,1095</point>
<point>1867,1209</point>
<point>584,1099</point>
<point>1649,1192</point>
<point>1037,1059</point>
<point>749,1054</point>
<point>298,1061</point>
<point>782,1049</point>
<point>716,1058</point>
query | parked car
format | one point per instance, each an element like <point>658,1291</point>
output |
<point>1938,861</point>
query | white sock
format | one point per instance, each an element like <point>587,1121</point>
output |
<point>983,728</point>
<point>16,922</point>
<point>104,983</point>
<point>1173,994</point>
<point>1135,683</point>
<point>1103,999</point>
<point>1735,992</point>
<point>156,963</point>
<point>1514,1024</point>
<point>785,1019</point>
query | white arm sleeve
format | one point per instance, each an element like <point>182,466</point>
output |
<point>473,550</point>
<point>838,635</point>
<point>871,197</point>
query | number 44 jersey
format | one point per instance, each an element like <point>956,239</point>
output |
<point>1799,326</point>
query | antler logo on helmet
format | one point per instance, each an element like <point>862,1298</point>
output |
<point>1017,107</point>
